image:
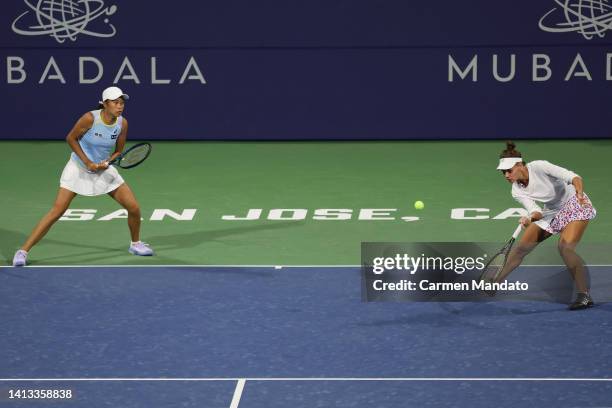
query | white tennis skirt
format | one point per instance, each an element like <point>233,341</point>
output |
<point>78,180</point>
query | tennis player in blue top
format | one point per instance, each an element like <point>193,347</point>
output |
<point>97,138</point>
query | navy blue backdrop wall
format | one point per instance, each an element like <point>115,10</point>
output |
<point>312,69</point>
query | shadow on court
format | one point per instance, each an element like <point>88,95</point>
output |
<point>197,238</point>
<point>164,245</point>
<point>10,241</point>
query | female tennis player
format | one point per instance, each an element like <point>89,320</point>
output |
<point>97,138</point>
<point>566,211</point>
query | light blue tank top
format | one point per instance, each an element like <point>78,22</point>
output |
<point>98,143</point>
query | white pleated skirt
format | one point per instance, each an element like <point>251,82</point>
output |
<point>78,180</point>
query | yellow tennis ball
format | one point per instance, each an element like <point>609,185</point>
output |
<point>419,205</point>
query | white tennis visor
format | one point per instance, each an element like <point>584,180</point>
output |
<point>508,162</point>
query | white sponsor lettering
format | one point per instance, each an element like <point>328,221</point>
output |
<point>292,214</point>
<point>508,77</point>
<point>584,72</point>
<point>333,214</point>
<point>253,214</point>
<point>12,68</point>
<point>453,67</point>
<point>126,64</point>
<point>119,214</point>
<point>460,213</point>
<point>57,75</point>
<point>376,214</point>
<point>296,214</point>
<point>541,70</point>
<point>186,215</point>
<point>192,65</point>
<point>409,218</point>
<point>75,214</point>
<point>92,70</point>
<point>540,62</point>
<point>154,79</point>
<point>78,214</point>
<point>97,77</point>
<point>511,213</point>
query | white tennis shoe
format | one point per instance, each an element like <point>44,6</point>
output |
<point>20,258</point>
<point>141,249</point>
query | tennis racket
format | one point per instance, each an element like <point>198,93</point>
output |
<point>133,156</point>
<point>493,268</point>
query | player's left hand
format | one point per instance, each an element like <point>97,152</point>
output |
<point>103,165</point>
<point>582,200</point>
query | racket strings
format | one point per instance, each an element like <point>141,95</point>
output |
<point>494,267</point>
<point>135,156</point>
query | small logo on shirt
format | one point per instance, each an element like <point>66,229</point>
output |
<point>114,135</point>
<point>98,134</point>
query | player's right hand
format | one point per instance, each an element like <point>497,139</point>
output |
<point>525,221</point>
<point>92,167</point>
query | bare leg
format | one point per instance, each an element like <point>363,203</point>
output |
<point>570,236</point>
<point>124,196</point>
<point>532,236</point>
<point>62,202</point>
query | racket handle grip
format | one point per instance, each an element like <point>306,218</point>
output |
<point>517,231</point>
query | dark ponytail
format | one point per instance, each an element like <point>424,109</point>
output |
<point>510,151</point>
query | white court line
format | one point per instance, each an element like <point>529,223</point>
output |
<point>237,393</point>
<point>184,266</point>
<point>245,379</point>
<point>236,266</point>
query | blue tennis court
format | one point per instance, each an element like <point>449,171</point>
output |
<point>290,336</point>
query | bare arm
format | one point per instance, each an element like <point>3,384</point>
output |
<point>534,210</point>
<point>577,183</point>
<point>534,216</point>
<point>82,125</point>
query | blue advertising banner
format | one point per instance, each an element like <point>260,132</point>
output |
<point>275,70</point>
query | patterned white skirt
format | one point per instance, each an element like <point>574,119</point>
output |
<point>78,180</point>
<point>571,211</point>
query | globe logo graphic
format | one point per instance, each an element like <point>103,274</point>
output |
<point>64,19</point>
<point>589,18</point>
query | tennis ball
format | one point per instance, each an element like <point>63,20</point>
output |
<point>419,205</point>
